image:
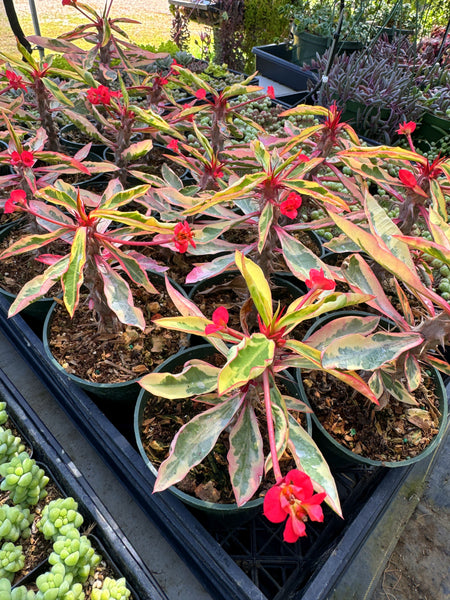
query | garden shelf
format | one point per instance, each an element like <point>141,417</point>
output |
<point>52,457</point>
<point>249,562</point>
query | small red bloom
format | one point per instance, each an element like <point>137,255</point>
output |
<point>24,158</point>
<point>318,281</point>
<point>101,95</point>
<point>174,66</point>
<point>15,81</point>
<point>220,319</point>
<point>302,158</point>
<point>407,178</point>
<point>173,145</point>
<point>290,206</point>
<point>293,497</point>
<point>67,2</point>
<point>16,198</point>
<point>271,92</point>
<point>200,94</point>
<point>406,128</point>
<point>182,237</point>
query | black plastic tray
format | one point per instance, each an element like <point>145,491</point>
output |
<point>48,451</point>
<point>274,62</point>
<point>249,562</point>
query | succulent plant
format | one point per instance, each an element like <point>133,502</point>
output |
<point>112,589</point>
<point>58,517</point>
<point>76,553</point>
<point>14,522</point>
<point>3,413</point>
<point>10,445</point>
<point>24,479</point>
<point>58,584</point>
<point>12,560</point>
<point>18,593</point>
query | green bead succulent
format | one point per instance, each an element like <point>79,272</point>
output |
<point>12,560</point>
<point>15,522</point>
<point>3,413</point>
<point>10,445</point>
<point>112,589</point>
<point>76,553</point>
<point>18,593</point>
<point>58,584</point>
<point>58,517</point>
<point>24,479</point>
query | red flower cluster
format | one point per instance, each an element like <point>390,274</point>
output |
<point>182,237</point>
<point>173,145</point>
<point>200,94</point>
<point>220,319</point>
<point>24,158</point>
<point>101,95</point>
<point>318,281</point>
<point>68,2</point>
<point>15,81</point>
<point>293,497</point>
<point>290,206</point>
<point>16,198</point>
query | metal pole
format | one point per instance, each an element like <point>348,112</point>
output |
<point>37,29</point>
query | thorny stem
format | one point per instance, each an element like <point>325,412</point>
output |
<point>45,115</point>
<point>270,428</point>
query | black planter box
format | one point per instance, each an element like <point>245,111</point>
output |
<point>338,559</point>
<point>274,61</point>
<point>57,464</point>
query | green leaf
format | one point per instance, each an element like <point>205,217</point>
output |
<point>359,352</point>
<point>38,286</point>
<point>119,297</point>
<point>33,242</point>
<point>53,88</point>
<point>194,441</point>
<point>137,150</point>
<point>197,377</point>
<point>398,390</point>
<point>258,286</point>
<point>264,225</point>
<point>309,459</point>
<point>124,197</point>
<point>261,154</point>
<point>246,361</point>
<point>193,325</point>
<point>299,258</point>
<point>341,327</point>
<point>132,268</point>
<point>412,372</point>
<point>73,277</point>
<point>245,456</point>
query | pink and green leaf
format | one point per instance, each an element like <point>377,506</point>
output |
<point>246,361</point>
<point>258,286</point>
<point>309,459</point>
<point>197,377</point>
<point>413,372</point>
<point>341,327</point>
<point>72,279</point>
<point>33,241</point>
<point>245,456</point>
<point>299,258</point>
<point>264,225</point>
<point>194,441</point>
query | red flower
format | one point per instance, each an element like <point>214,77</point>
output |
<point>406,128</point>
<point>24,158</point>
<point>101,95</point>
<point>291,205</point>
<point>318,281</point>
<point>16,198</point>
<point>66,2</point>
<point>302,158</point>
<point>220,319</point>
<point>15,81</point>
<point>173,145</point>
<point>200,94</point>
<point>293,497</point>
<point>183,237</point>
<point>407,178</point>
<point>174,66</point>
<point>271,92</point>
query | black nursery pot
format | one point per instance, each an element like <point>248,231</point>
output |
<point>341,457</point>
<point>72,147</point>
<point>218,516</point>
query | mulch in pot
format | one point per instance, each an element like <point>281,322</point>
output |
<point>386,435</point>
<point>109,357</point>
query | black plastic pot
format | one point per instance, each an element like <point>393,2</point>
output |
<point>340,456</point>
<point>274,61</point>
<point>65,474</point>
<point>72,146</point>
<point>250,562</point>
<point>308,45</point>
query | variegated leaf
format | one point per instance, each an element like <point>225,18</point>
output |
<point>197,377</point>
<point>258,286</point>
<point>72,279</point>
